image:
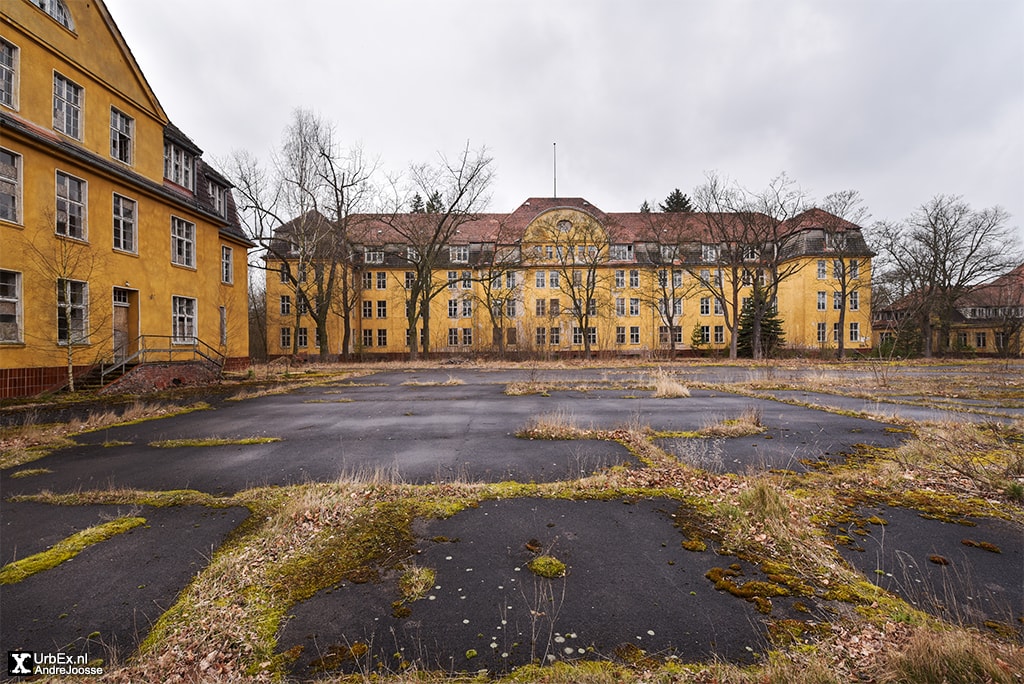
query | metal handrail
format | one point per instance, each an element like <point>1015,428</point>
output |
<point>174,348</point>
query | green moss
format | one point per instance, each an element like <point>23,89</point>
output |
<point>695,545</point>
<point>547,566</point>
<point>338,655</point>
<point>415,582</point>
<point>65,549</point>
<point>211,442</point>
<point>29,472</point>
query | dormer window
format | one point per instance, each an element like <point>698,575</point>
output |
<point>178,165</point>
<point>459,254</point>
<point>58,10</point>
<point>218,195</point>
<point>835,241</point>
<point>373,256</point>
<point>621,252</point>
<point>708,253</point>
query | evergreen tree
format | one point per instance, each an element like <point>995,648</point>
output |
<point>435,205</point>
<point>417,204</point>
<point>676,202</point>
<point>772,335</point>
<point>645,208</point>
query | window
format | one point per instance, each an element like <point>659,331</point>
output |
<point>577,335</point>
<point>855,301</point>
<point>72,198</point>
<point>511,336</point>
<point>286,338</point>
<point>718,306</point>
<point>705,277</point>
<point>300,304</point>
<point>705,334</point>
<point>374,256</point>
<point>410,280</point>
<point>467,336</point>
<point>554,307</point>
<point>542,308</point>
<point>822,333</point>
<point>1000,340</point>
<point>855,332</point>
<point>382,280</point>
<point>284,272</point>
<point>538,279</point>
<point>453,280</point>
<point>301,337</point>
<point>835,241</point>
<point>67,107</point>
<point>510,279</point>
<point>751,253</point>
<point>367,309</point>
<point>577,278</point>
<point>705,306</point>
<point>542,336</point>
<point>591,307</point>
<point>634,306</point>
<point>837,269</point>
<point>634,334</point>
<point>382,309</point>
<point>980,340</point>
<point>510,308</point>
<point>822,269</point>
<point>677,278</point>
<point>286,305</point>
<point>467,280</point>
<point>183,323</point>
<point>620,334</point>
<point>553,279</point>
<point>8,74</point>
<point>124,223</point>
<point>183,239</point>
<point>718,278</point>
<point>620,278</point>
<point>961,339</point>
<point>178,165</point>
<point>227,264</point>
<point>218,195</point>
<point>854,269</point>
<point>453,337</point>
<point>367,280</point>
<point>669,253</point>
<point>719,334</point>
<point>453,308</point>
<point>58,10</point>
<point>836,332</point>
<point>709,253</point>
<point>620,306</point>
<point>634,278</point>
<point>555,336</point>
<point>10,306</point>
<point>382,337</point>
<point>459,254</point>
<point>10,186</point>
<point>837,301</point>
<point>621,252</point>
<point>412,254</point>
<point>122,130</point>
<point>367,338</point>
<point>822,298</point>
<point>664,333</point>
<point>467,308</point>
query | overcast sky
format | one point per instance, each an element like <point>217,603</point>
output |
<point>901,100</point>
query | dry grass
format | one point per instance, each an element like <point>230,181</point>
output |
<point>559,424</point>
<point>450,382</point>
<point>747,423</point>
<point>667,387</point>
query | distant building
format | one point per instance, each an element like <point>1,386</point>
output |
<point>115,236</point>
<point>558,275</point>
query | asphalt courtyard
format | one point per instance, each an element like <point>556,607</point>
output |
<point>629,587</point>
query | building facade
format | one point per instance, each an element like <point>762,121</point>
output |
<point>115,236</point>
<point>560,277</point>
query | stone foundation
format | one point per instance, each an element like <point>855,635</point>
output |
<point>152,377</point>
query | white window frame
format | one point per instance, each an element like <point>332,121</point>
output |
<point>459,254</point>
<point>11,307</point>
<point>855,301</point>
<point>634,277</point>
<point>634,306</point>
<point>822,269</point>
<point>66,296</point>
<point>373,256</point>
<point>10,58</point>
<point>58,11</point>
<point>286,305</point>
<point>125,223</point>
<point>68,206</point>
<point>179,166</point>
<point>183,242</point>
<point>634,334</point>
<point>227,265</point>
<point>302,337</point>
<point>286,337</point>
<point>822,300</point>
<point>218,196</point>
<point>122,136</point>
<point>708,253</point>
<point>854,331</point>
<point>11,176</point>
<point>183,320</point>
<point>68,98</point>
<point>822,332</point>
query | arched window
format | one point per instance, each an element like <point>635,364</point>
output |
<point>58,10</point>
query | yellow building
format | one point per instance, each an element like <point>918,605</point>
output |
<point>115,236</point>
<point>560,277</point>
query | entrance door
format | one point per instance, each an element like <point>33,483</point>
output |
<point>121,336</point>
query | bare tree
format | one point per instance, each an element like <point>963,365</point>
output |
<point>663,253</point>
<point>457,190</point>
<point>943,249</point>
<point>304,213</point>
<point>501,288</point>
<point>842,213</point>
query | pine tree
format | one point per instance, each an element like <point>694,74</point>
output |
<point>676,202</point>
<point>645,208</point>
<point>417,204</point>
<point>772,335</point>
<point>435,205</point>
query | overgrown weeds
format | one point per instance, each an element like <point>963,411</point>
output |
<point>668,387</point>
